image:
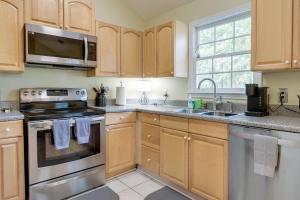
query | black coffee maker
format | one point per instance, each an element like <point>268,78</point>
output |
<point>257,100</point>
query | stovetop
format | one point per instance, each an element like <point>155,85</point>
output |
<point>40,114</point>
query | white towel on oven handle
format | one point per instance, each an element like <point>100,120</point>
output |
<point>83,128</point>
<point>61,133</point>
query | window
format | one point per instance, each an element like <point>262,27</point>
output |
<point>222,52</point>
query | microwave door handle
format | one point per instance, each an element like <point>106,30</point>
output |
<point>86,49</point>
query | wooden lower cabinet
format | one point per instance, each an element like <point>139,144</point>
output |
<point>120,148</point>
<point>150,159</point>
<point>12,169</point>
<point>174,156</point>
<point>208,165</point>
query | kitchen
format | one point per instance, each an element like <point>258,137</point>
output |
<point>167,149</point>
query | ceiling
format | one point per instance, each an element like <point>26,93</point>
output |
<point>148,9</point>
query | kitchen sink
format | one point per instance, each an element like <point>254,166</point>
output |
<point>189,111</point>
<point>220,114</point>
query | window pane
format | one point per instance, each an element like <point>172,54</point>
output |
<point>223,80</point>
<point>204,66</point>
<point>206,50</point>
<point>242,44</point>
<point>224,31</point>
<point>243,27</point>
<point>206,35</point>
<point>205,84</point>
<point>239,79</point>
<point>241,62</point>
<point>224,47</point>
<point>222,64</point>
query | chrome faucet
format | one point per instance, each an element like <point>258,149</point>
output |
<point>215,91</point>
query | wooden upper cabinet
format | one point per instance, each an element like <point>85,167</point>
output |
<point>131,53</point>
<point>79,16</point>
<point>109,50</point>
<point>45,12</point>
<point>12,35</point>
<point>208,164</point>
<point>174,156</point>
<point>12,169</point>
<point>172,50</point>
<point>272,34</point>
<point>149,53</point>
<point>296,35</point>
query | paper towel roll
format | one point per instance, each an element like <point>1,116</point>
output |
<point>121,96</point>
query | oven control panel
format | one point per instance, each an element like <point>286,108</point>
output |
<point>28,95</point>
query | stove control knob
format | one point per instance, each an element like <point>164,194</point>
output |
<point>25,93</point>
<point>40,93</point>
<point>82,93</point>
<point>77,92</point>
<point>33,92</point>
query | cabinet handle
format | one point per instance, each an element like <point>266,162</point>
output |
<point>149,159</point>
<point>287,62</point>
<point>7,130</point>
<point>296,61</point>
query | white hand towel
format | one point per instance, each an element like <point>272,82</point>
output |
<point>83,126</point>
<point>61,134</point>
<point>265,155</point>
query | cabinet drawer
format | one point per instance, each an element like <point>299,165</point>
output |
<point>176,123</point>
<point>150,118</point>
<point>151,135</point>
<point>11,129</point>
<point>211,129</point>
<point>120,118</point>
<point>150,159</point>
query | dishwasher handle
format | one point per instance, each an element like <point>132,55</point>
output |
<point>248,136</point>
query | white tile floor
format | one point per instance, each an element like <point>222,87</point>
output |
<point>134,186</point>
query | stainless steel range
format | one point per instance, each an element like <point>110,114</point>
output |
<point>57,174</point>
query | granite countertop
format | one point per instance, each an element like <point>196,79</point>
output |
<point>281,123</point>
<point>11,116</point>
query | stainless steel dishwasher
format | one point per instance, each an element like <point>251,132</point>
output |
<point>244,184</point>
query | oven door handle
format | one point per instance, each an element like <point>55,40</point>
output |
<point>86,49</point>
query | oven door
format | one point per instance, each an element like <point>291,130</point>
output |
<point>47,45</point>
<point>46,162</point>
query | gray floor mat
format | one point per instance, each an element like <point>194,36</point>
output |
<point>104,193</point>
<point>166,193</point>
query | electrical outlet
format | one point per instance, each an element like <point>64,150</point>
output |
<point>283,93</point>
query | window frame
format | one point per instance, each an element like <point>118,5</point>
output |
<point>193,45</point>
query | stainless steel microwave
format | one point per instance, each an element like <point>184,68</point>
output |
<point>58,47</point>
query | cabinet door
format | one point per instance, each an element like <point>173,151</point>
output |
<point>208,166</point>
<point>272,34</point>
<point>174,156</point>
<point>109,49</point>
<point>296,34</point>
<point>131,53</point>
<point>149,58</point>
<point>120,148</point>
<point>165,49</point>
<point>79,15</point>
<point>11,35</point>
<point>11,169</point>
<point>46,12</point>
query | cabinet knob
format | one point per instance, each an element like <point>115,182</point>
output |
<point>189,139</point>
<point>185,137</point>
<point>121,117</point>
<point>155,119</point>
<point>287,62</point>
<point>148,136</point>
<point>172,73</point>
<point>107,130</point>
<point>7,130</point>
<point>149,159</point>
<point>296,61</point>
